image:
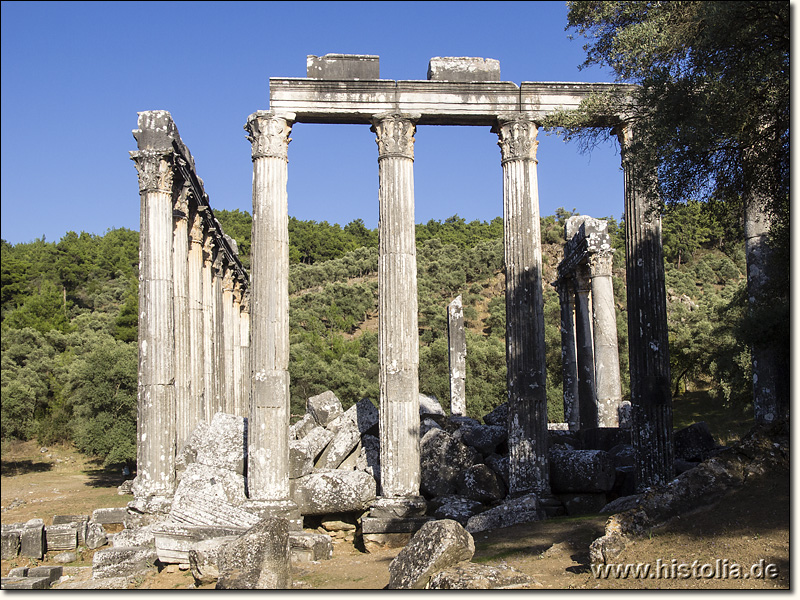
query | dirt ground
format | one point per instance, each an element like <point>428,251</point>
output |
<point>748,527</point>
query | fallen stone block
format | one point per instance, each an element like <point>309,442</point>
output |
<point>457,508</point>
<point>324,407</point>
<point>604,438</point>
<point>583,504</point>
<point>188,454</point>
<point>301,428</point>
<point>32,542</point>
<point>472,576</point>
<point>65,519</point>
<point>623,455</point>
<point>126,487</point>
<point>484,438</point>
<point>499,416</point>
<point>224,444</point>
<point>350,463</point>
<point>524,509</point>
<point>369,457</point>
<point>692,443</point>
<point>435,547</point>
<point>429,405</point>
<point>122,562</point>
<point>65,557</point>
<point>10,544</point>
<point>25,583</point>
<point>52,573</point>
<point>139,536</point>
<point>622,504</point>
<point>96,536</point>
<point>111,516</point>
<point>207,482</point>
<point>173,542</point>
<point>203,559</point>
<point>442,459</point>
<point>349,427</point>
<point>363,413</point>
<point>332,491</point>
<point>18,572</point>
<point>258,559</point>
<point>61,537</point>
<point>581,470</point>
<point>306,546</point>
<point>480,483</point>
<point>303,452</point>
<point>500,465</point>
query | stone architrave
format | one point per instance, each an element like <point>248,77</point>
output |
<point>569,357</point>
<point>180,279</point>
<point>525,349</point>
<point>398,339</point>
<point>156,396</point>
<point>606,353</point>
<point>457,342</point>
<point>584,341</point>
<point>196,329</point>
<point>268,458</point>
<point>648,343</point>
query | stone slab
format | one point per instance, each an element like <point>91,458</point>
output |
<point>174,542</point>
<point>65,519</point>
<point>25,583</point>
<point>61,537</point>
<point>306,546</point>
<point>51,572</point>
<point>371,525</point>
<point>10,544</point>
<point>376,542</point>
<point>343,66</point>
<point>122,562</point>
<point>32,542</point>
<point>110,516</point>
<point>463,68</point>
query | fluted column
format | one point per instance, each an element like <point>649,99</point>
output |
<point>569,357</point>
<point>268,437</point>
<point>525,350</point>
<point>606,353</point>
<point>155,428</point>
<point>584,341</point>
<point>180,267</point>
<point>245,340</point>
<point>220,376</point>
<point>228,336</point>
<point>457,342</point>
<point>209,341</point>
<point>236,330</point>
<point>398,334</point>
<point>651,397</point>
<point>196,331</point>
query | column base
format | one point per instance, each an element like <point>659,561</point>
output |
<point>392,521</point>
<point>287,509</point>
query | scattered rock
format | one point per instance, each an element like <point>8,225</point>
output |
<point>258,559</point>
<point>65,557</point>
<point>457,508</point>
<point>95,536</point>
<point>122,562</point>
<point>429,405</point>
<point>480,483</point>
<point>524,509</point>
<point>435,547</point>
<point>580,470</point>
<point>10,544</point>
<point>333,491</point>
<point>499,416</point>
<point>203,559</point>
<point>442,459</point>
<point>484,438</point>
<point>471,576</point>
<point>324,407</point>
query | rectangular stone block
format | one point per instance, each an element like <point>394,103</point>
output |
<point>18,572</point>
<point>61,537</point>
<point>25,583</point>
<point>52,573</point>
<point>64,519</point>
<point>306,546</point>
<point>32,541</point>
<point>12,527</point>
<point>10,544</point>
<point>343,66</point>
<point>109,516</point>
<point>122,562</point>
<point>173,542</point>
<point>382,525</point>
<point>463,68</point>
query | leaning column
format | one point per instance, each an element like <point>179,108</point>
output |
<point>569,364</point>
<point>525,350</point>
<point>155,455</point>
<point>606,353</point>
<point>651,397</point>
<point>268,430</point>
<point>457,342</point>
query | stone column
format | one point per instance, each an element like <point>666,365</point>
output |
<point>245,339</point>
<point>209,342</point>
<point>220,376</point>
<point>268,435</point>
<point>229,343</point>
<point>236,327</point>
<point>180,262</point>
<point>587,398</point>
<point>155,425</point>
<point>525,350</point>
<point>651,398</point>
<point>398,333</point>
<point>457,342</point>
<point>569,358</point>
<point>606,352</point>
<point>196,317</point>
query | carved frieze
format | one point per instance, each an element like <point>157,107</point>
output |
<point>517,138</point>
<point>155,170</point>
<point>269,135</point>
<point>395,135</point>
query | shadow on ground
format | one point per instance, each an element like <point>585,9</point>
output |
<point>12,468</point>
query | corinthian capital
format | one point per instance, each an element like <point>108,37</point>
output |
<point>395,134</point>
<point>155,170</point>
<point>517,137</point>
<point>600,264</point>
<point>269,134</point>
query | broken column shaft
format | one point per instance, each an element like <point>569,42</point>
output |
<point>457,347</point>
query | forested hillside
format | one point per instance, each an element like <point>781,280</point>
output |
<point>69,319</point>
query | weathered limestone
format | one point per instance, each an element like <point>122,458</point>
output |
<point>212,405</point>
<point>10,544</point>
<point>343,66</point>
<point>462,68</point>
<point>457,343</point>
<point>398,340</point>
<point>218,306</point>
<point>258,559</point>
<point>333,491</point>
<point>180,305</point>
<point>156,420</point>
<point>523,509</point>
<point>587,398</point>
<point>569,356</point>
<point>121,562</point>
<point>268,458</point>
<point>525,349</point>
<point>651,393</point>
<point>472,576</point>
<point>197,408</point>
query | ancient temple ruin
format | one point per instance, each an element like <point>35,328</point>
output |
<point>213,340</point>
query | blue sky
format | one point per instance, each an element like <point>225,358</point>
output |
<point>74,75</point>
